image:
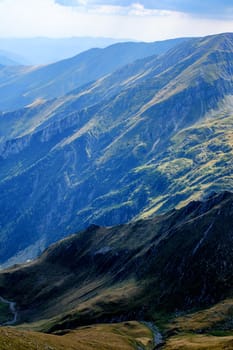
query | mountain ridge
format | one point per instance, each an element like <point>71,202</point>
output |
<point>106,274</point>
<point>57,79</point>
<point>125,155</point>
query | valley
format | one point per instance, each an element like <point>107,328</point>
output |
<point>116,204</point>
<point>143,271</point>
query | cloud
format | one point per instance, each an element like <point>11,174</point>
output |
<point>72,2</point>
<point>99,18</point>
<point>129,8</point>
<point>204,8</point>
<point>138,9</point>
<point>213,8</point>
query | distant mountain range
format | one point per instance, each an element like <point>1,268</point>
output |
<point>21,86</point>
<point>154,134</point>
<point>6,61</point>
<point>41,50</point>
<point>10,59</point>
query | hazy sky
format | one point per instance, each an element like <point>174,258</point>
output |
<point>142,20</point>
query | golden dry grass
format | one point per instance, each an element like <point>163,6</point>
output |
<point>204,319</point>
<point>199,342</point>
<point>124,336</point>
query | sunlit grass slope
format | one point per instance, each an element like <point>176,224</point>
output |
<point>125,336</point>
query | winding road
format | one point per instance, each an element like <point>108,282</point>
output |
<point>12,307</point>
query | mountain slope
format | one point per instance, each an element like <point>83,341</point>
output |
<point>128,336</point>
<point>42,50</point>
<point>174,262</point>
<point>10,59</point>
<point>5,61</point>
<point>48,50</point>
<point>54,80</point>
<point>146,138</point>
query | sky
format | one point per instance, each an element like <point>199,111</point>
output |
<point>145,20</point>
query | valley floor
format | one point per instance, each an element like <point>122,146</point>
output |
<point>210,328</point>
<point>125,336</point>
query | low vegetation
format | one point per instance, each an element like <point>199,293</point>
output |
<point>198,342</point>
<point>209,328</point>
<point>124,336</point>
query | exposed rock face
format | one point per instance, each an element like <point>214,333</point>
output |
<point>13,147</point>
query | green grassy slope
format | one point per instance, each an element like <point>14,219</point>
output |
<point>197,161</point>
<point>159,138</point>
